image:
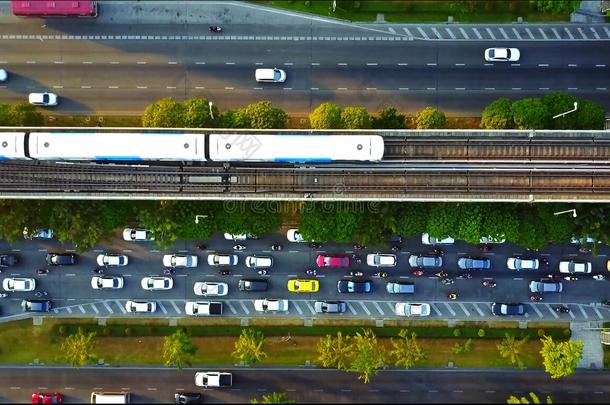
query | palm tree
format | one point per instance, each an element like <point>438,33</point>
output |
<point>273,398</point>
<point>78,348</point>
<point>334,352</point>
<point>406,351</point>
<point>512,349</point>
<point>249,347</point>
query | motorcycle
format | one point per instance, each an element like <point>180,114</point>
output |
<point>262,272</point>
<point>438,251</point>
<point>584,249</point>
<point>599,277</point>
<point>395,248</point>
<point>356,259</point>
<point>314,245</point>
<point>41,293</point>
<point>489,283</point>
<point>417,272</point>
<point>356,273</point>
<point>276,247</point>
<point>536,297</point>
<point>465,276</point>
<point>452,296</point>
<point>544,261</point>
<point>381,274</point>
<point>358,246</point>
<point>199,246</point>
<point>224,272</point>
<point>562,309</point>
<point>485,248</point>
<point>441,274</point>
<point>239,247</point>
<point>42,271</point>
<point>97,270</point>
<point>215,28</point>
<point>447,281</point>
<point>3,295</point>
<point>312,273</point>
<point>570,278</point>
<point>169,272</point>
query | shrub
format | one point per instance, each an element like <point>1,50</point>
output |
<point>457,332</point>
<point>541,333</point>
<point>467,346</point>
<point>106,331</point>
<point>430,118</point>
<point>567,332</point>
<point>481,333</point>
<point>457,348</point>
<point>128,331</point>
<point>308,3</point>
<point>63,331</point>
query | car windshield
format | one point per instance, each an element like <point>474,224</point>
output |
<point>45,98</point>
<point>276,76</point>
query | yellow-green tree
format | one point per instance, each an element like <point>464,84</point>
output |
<point>512,349</point>
<point>334,351</point>
<point>249,347</point>
<point>78,349</point>
<point>406,351</point>
<point>178,349</point>
<point>560,358</point>
<point>273,398</point>
<point>367,355</point>
<point>533,399</point>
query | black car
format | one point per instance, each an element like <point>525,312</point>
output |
<point>350,286</point>
<point>253,284</point>
<point>36,305</point>
<point>8,260</point>
<point>187,397</point>
<point>61,259</point>
<point>498,308</point>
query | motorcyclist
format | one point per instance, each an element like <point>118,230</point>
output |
<point>452,296</point>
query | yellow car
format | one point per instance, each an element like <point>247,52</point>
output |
<point>303,286</point>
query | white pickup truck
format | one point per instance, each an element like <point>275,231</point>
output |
<point>213,379</point>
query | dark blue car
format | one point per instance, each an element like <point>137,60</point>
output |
<point>345,286</point>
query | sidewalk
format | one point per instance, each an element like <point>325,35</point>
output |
<point>592,354</point>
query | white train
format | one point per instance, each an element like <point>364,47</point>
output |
<point>180,147</point>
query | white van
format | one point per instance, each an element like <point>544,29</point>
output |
<point>110,397</point>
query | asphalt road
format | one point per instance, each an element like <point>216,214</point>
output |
<point>308,385</point>
<point>69,286</point>
<point>121,76</point>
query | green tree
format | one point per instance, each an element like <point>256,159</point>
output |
<point>589,115</point>
<point>512,349</point>
<point>560,358</point>
<point>367,355</point>
<point>253,217</point>
<point>592,220</point>
<point>355,118</point>
<point>498,115</point>
<point>430,118</point>
<point>530,113</point>
<point>500,221</point>
<point>164,113</point>
<point>388,118</point>
<point>159,217</point>
<point>273,398</point>
<point>235,119</point>
<point>197,114</point>
<point>556,6</point>
<point>336,221</point>
<point>443,220</point>
<point>557,103</point>
<point>24,114</point>
<point>77,221</point>
<point>406,351</point>
<point>262,115</point>
<point>79,348</point>
<point>178,349</point>
<point>5,115</point>
<point>470,221</point>
<point>412,219</point>
<point>533,399</point>
<point>249,347</point>
<point>335,352</point>
<point>326,116</point>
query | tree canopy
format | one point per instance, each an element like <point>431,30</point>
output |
<point>197,114</point>
<point>334,352</point>
<point>560,358</point>
<point>249,347</point>
<point>367,355</point>
<point>388,118</point>
<point>406,351</point>
<point>263,115</point>
<point>430,118</point>
<point>79,348</point>
<point>530,113</point>
<point>498,115</point>
<point>273,398</point>
<point>178,349</point>
<point>326,116</point>
<point>355,118</point>
<point>327,221</point>
<point>164,113</point>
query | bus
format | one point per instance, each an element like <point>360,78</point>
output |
<point>54,8</point>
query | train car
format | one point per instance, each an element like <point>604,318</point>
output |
<point>12,145</point>
<point>294,148</point>
<point>116,146</point>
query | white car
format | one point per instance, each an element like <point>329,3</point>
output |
<point>140,306</point>
<point>516,263</point>
<point>203,308</point>
<point>269,304</point>
<point>19,284</point>
<point>222,260</point>
<point>502,55</point>
<point>103,282</point>
<point>274,75</point>
<point>426,239</point>
<point>136,234</point>
<point>43,99</point>
<point>210,289</point>
<point>294,235</point>
<point>240,237</point>
<point>112,260</point>
<point>490,239</point>
<point>257,262</point>
<point>157,283</point>
<point>3,75</point>
<point>381,260</point>
<point>575,266</point>
<point>411,309</point>
<point>180,260</point>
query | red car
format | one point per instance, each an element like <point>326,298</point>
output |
<point>332,261</point>
<point>41,398</point>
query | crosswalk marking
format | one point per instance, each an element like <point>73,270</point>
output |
<point>464,309</point>
<point>162,308</point>
<point>94,308</point>
<point>378,307</point>
<point>231,307</point>
<point>598,313</point>
<point>365,308</point>
<point>449,308</point>
<point>246,310</point>
<point>121,307</point>
<point>107,307</point>
<point>299,310</point>
<point>464,33</point>
<point>176,307</point>
<point>491,34</point>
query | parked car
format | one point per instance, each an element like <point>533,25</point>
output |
<point>106,282</point>
<point>492,240</point>
<point>61,259</point>
<point>211,289</point>
<point>141,306</point>
<point>18,284</point>
<point>400,287</point>
<point>303,286</point>
<point>353,286</point>
<point>36,305</point>
<point>498,308</point>
<point>8,260</point>
<point>156,283</point>
<point>545,285</point>
<point>502,55</point>
<point>112,260</point>
<point>42,398</point>
<point>258,262</point>
<point>203,308</point>
<point>249,284</point>
<point>177,260</point>
<point>293,235</point>
<point>222,259</point>
<point>269,304</point>
<point>330,307</point>
<point>38,234</point>
<point>3,75</point>
<point>430,261</point>
<point>332,261</point>
<point>516,263</point>
<point>381,260</point>
<point>138,235</point>
<point>426,239</point>
<point>43,99</point>
<point>267,75</point>
<point>575,266</point>
<point>411,309</point>
<point>238,237</point>
<point>187,398</point>
<point>474,263</point>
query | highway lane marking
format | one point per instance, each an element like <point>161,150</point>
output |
<point>258,63</point>
<point>378,308</point>
<point>436,310</point>
<point>85,87</point>
<point>488,64</point>
<point>405,391</point>
<point>121,307</point>
<point>228,88</point>
<point>172,63</point>
<point>87,62</point>
<point>460,64</point>
<point>16,250</point>
<point>433,391</point>
<point>246,310</point>
<point>406,30</point>
<point>373,390</point>
<point>108,307</point>
<point>555,315</point>
<point>422,32</point>
<point>464,309</point>
<point>342,88</point>
<point>438,35</point>
<point>342,64</point>
<point>310,307</point>
<point>229,63</point>
<point>582,33</point>
<point>151,388</point>
<point>572,65</point>
<point>478,310</point>
<point>291,389</point>
<point>70,274</point>
<point>162,308</point>
<point>371,64</point>
<point>403,88</point>
<point>288,63</point>
<point>199,63</point>
<point>543,65</point>
<point>449,308</point>
<point>403,64</point>
<point>315,64</point>
<point>231,307</point>
<point>431,64</point>
<point>571,313</point>
<point>114,62</point>
<point>43,388</point>
<point>141,62</point>
<point>82,310</point>
<point>68,388</point>
<point>142,87</point>
<point>464,33</point>
<point>458,391</point>
<point>460,88</point>
<point>598,313</point>
<point>200,87</point>
<point>261,389</point>
<point>318,390</point>
<point>176,307</point>
<point>490,88</point>
<point>31,62</point>
<point>451,34</point>
<point>556,33</point>
<point>490,33</point>
<point>542,32</point>
<point>516,88</point>
<point>490,391</point>
<point>342,390</point>
<point>351,309</point>
<point>58,87</point>
<point>517,33</point>
<point>94,309</point>
<point>58,62</point>
<point>600,65</point>
<point>299,310</point>
<point>15,388</point>
<point>543,88</point>
<point>607,31</point>
<point>390,306</point>
<point>170,87</point>
<point>568,32</point>
<point>529,33</point>
<point>431,88</point>
<point>476,32</point>
<point>287,88</point>
<point>600,88</point>
<point>366,310</point>
<point>68,309</point>
<point>371,88</point>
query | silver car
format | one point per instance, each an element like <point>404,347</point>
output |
<point>330,307</point>
<point>425,261</point>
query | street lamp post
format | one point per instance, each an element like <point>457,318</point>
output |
<point>573,211</point>
<point>199,216</point>
<point>567,112</point>
<point>211,113</point>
